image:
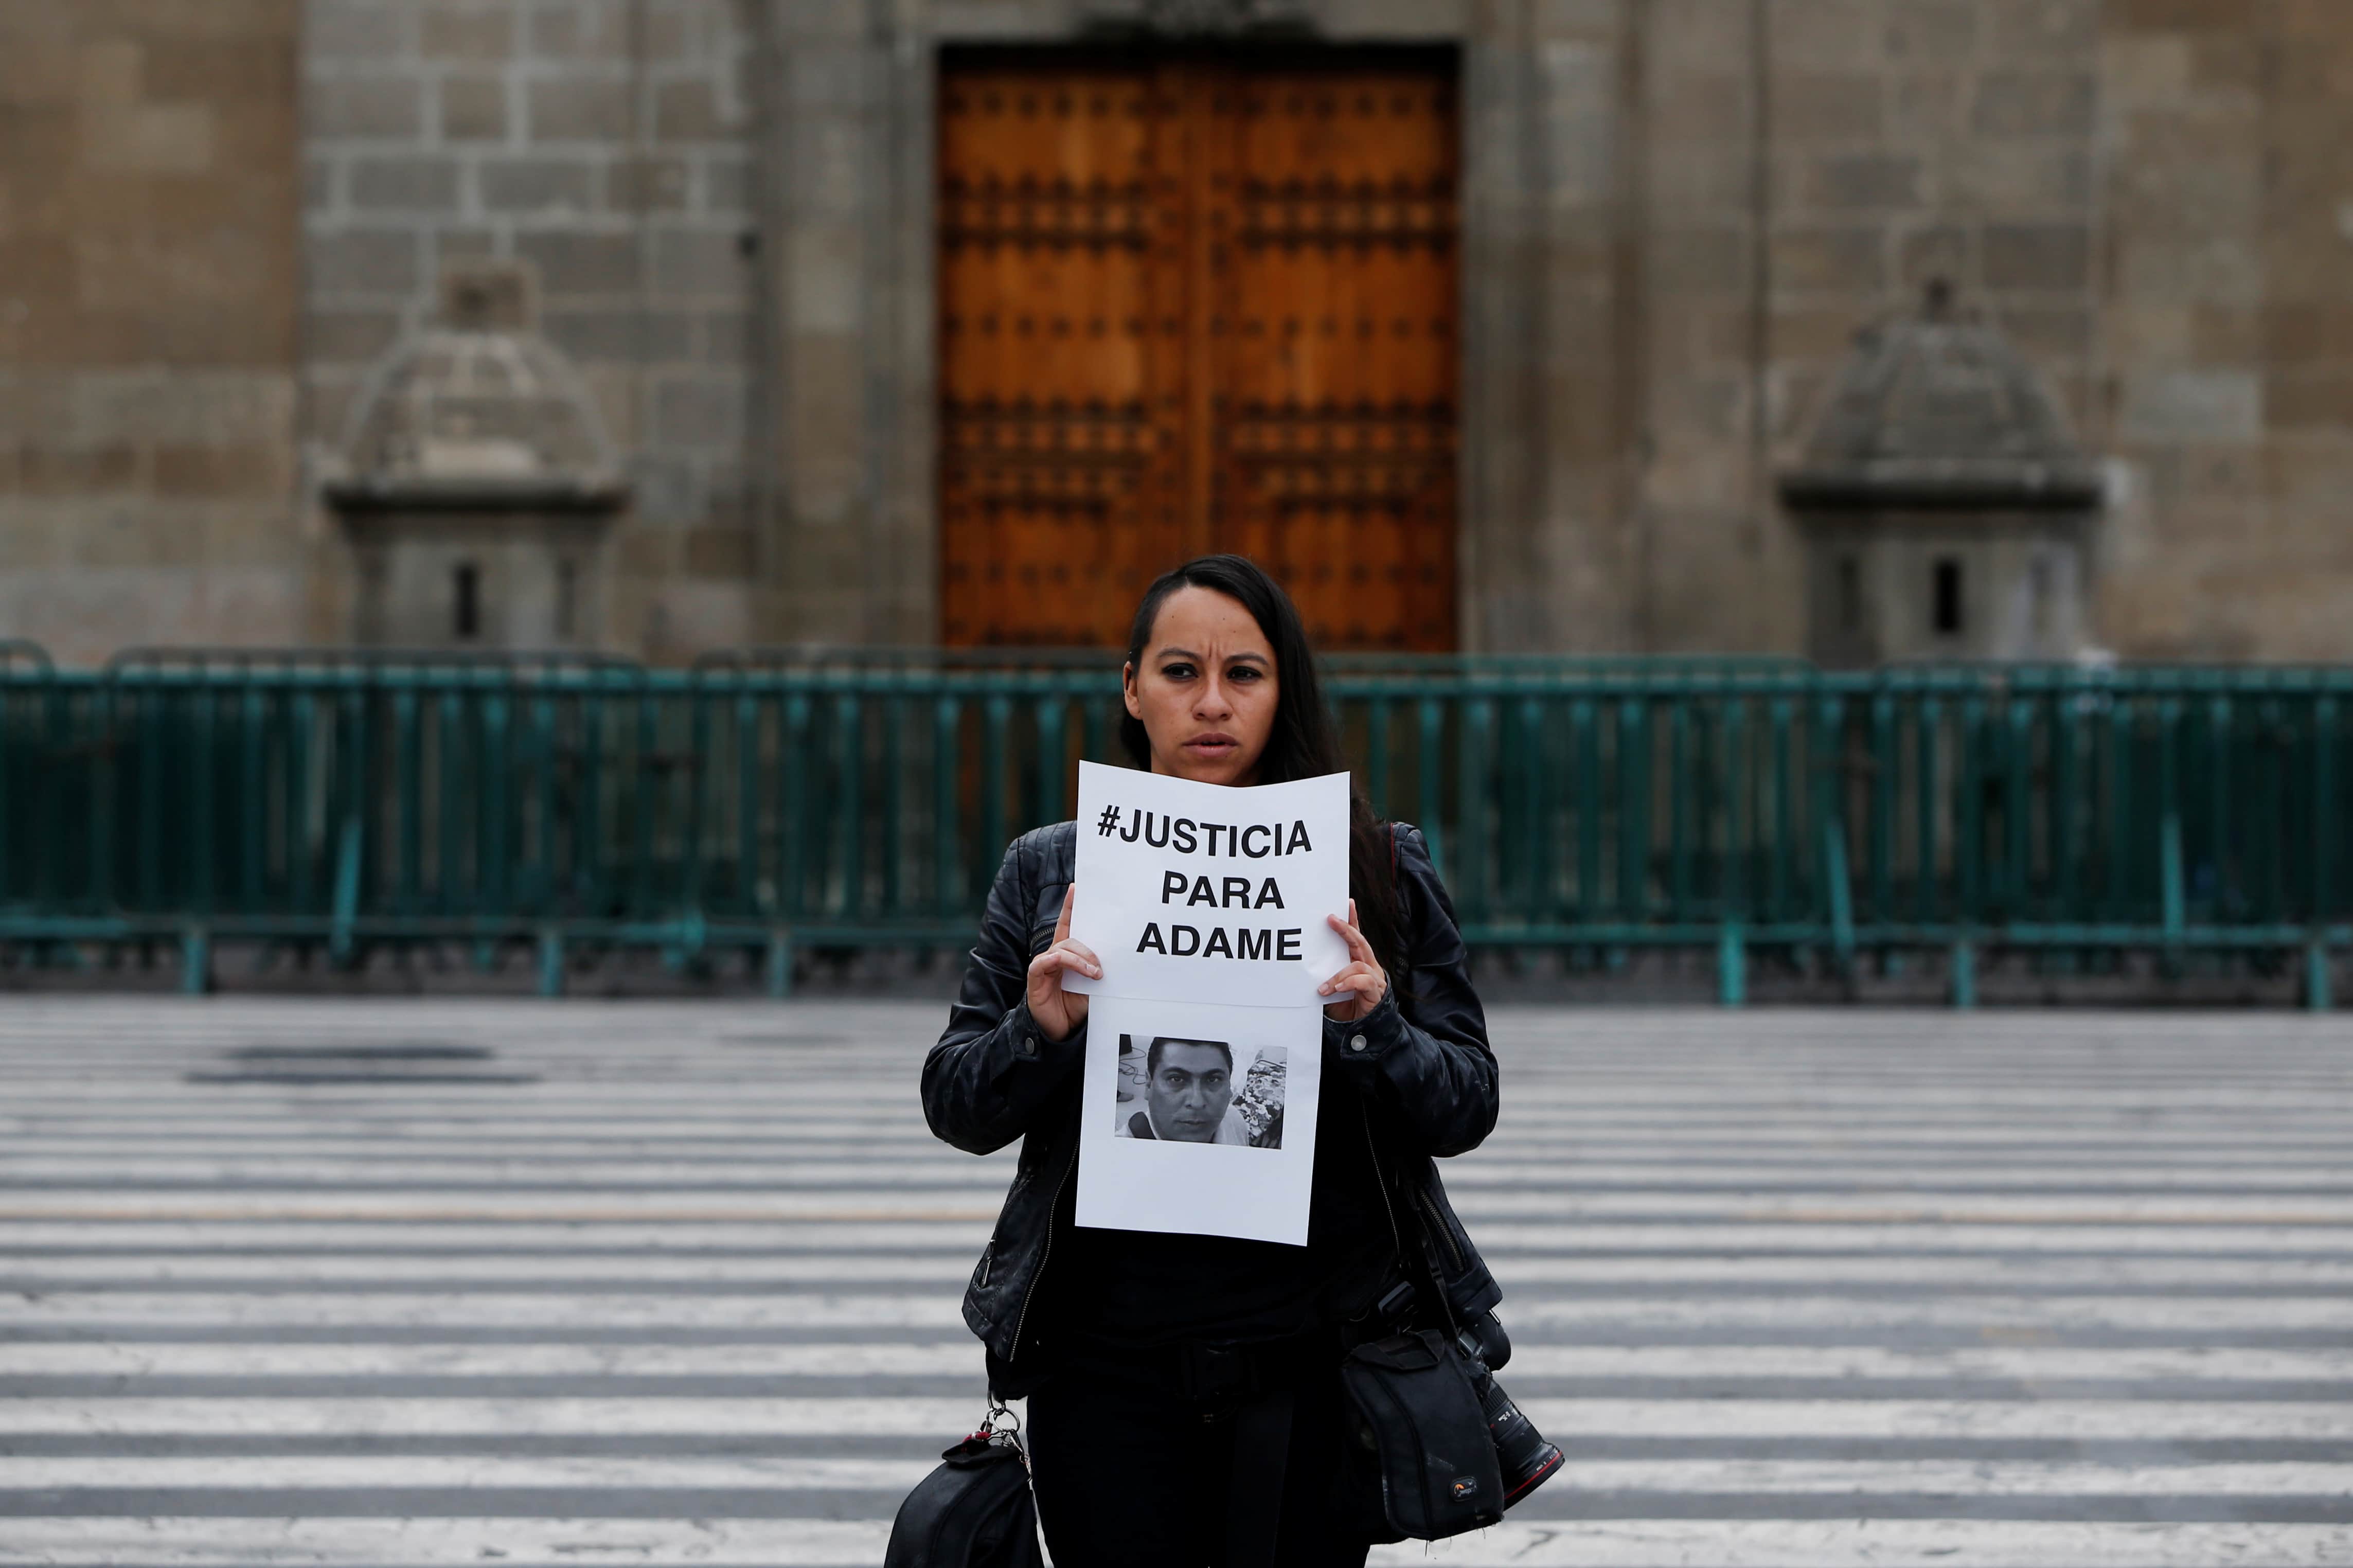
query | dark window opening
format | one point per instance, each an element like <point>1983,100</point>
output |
<point>466,583</point>
<point>1948,608</point>
<point>1850,594</point>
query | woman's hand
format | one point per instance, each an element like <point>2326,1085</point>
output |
<point>1058,1011</point>
<point>1364,980</point>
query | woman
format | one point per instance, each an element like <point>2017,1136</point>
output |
<point>1161,1369</point>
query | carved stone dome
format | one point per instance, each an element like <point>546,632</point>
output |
<point>1939,411</point>
<point>477,410</point>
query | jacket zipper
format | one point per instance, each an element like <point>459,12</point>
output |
<point>1439,1227</point>
<point>1046,1255</point>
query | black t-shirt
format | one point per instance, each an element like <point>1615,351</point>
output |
<point>1145,1288</point>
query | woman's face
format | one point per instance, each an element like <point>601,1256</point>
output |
<point>1205,689</point>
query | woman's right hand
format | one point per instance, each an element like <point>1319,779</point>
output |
<point>1058,1011</point>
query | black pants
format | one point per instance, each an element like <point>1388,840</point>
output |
<point>1129,1477</point>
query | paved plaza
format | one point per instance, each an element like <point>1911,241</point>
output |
<point>433,1283</point>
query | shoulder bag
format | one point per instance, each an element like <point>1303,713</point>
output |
<point>1434,1447</point>
<point>976,1511</point>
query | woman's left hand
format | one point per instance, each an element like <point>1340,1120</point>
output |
<point>1364,980</point>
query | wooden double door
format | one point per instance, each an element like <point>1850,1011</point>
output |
<point>1192,303</point>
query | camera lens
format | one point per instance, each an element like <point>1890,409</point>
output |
<point>1523,1455</point>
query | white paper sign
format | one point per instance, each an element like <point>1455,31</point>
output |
<point>1199,1118</point>
<point>1209,908</point>
<point>1191,891</point>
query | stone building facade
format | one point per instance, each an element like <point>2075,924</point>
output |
<point>151,310</point>
<point>1674,215</point>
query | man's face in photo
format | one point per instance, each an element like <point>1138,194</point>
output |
<point>1190,1091</point>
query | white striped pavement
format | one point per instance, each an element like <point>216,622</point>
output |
<point>559,1312</point>
<point>951,1357</point>
<point>1634,1140</point>
<point>2069,1290</point>
<point>249,1271</point>
<point>1501,1238</point>
<point>1935,1477</point>
<point>458,1542</point>
<point>885,1204</point>
<point>250,1158</point>
<point>2040,1420</point>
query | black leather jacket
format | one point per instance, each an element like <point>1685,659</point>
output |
<point>1423,1067</point>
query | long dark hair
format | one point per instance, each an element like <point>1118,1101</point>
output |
<point>1302,744</point>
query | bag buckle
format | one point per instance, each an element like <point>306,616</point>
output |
<point>1000,1428</point>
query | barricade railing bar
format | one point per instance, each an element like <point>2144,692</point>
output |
<point>757,804</point>
<point>815,655</point>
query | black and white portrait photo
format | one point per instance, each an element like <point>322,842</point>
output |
<point>1177,1089</point>
<point>1165,1078</point>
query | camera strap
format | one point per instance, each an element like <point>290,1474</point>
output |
<point>1418,1258</point>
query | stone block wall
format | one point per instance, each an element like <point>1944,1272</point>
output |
<point>148,196</point>
<point>2154,198</point>
<point>1809,166</point>
<point>215,214</point>
<point>2231,327</point>
<point>609,144</point>
<point>1921,139</point>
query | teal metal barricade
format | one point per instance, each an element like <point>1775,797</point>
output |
<point>331,805</point>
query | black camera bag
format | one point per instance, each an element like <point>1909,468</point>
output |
<point>974,1511</point>
<point>1419,1460</point>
